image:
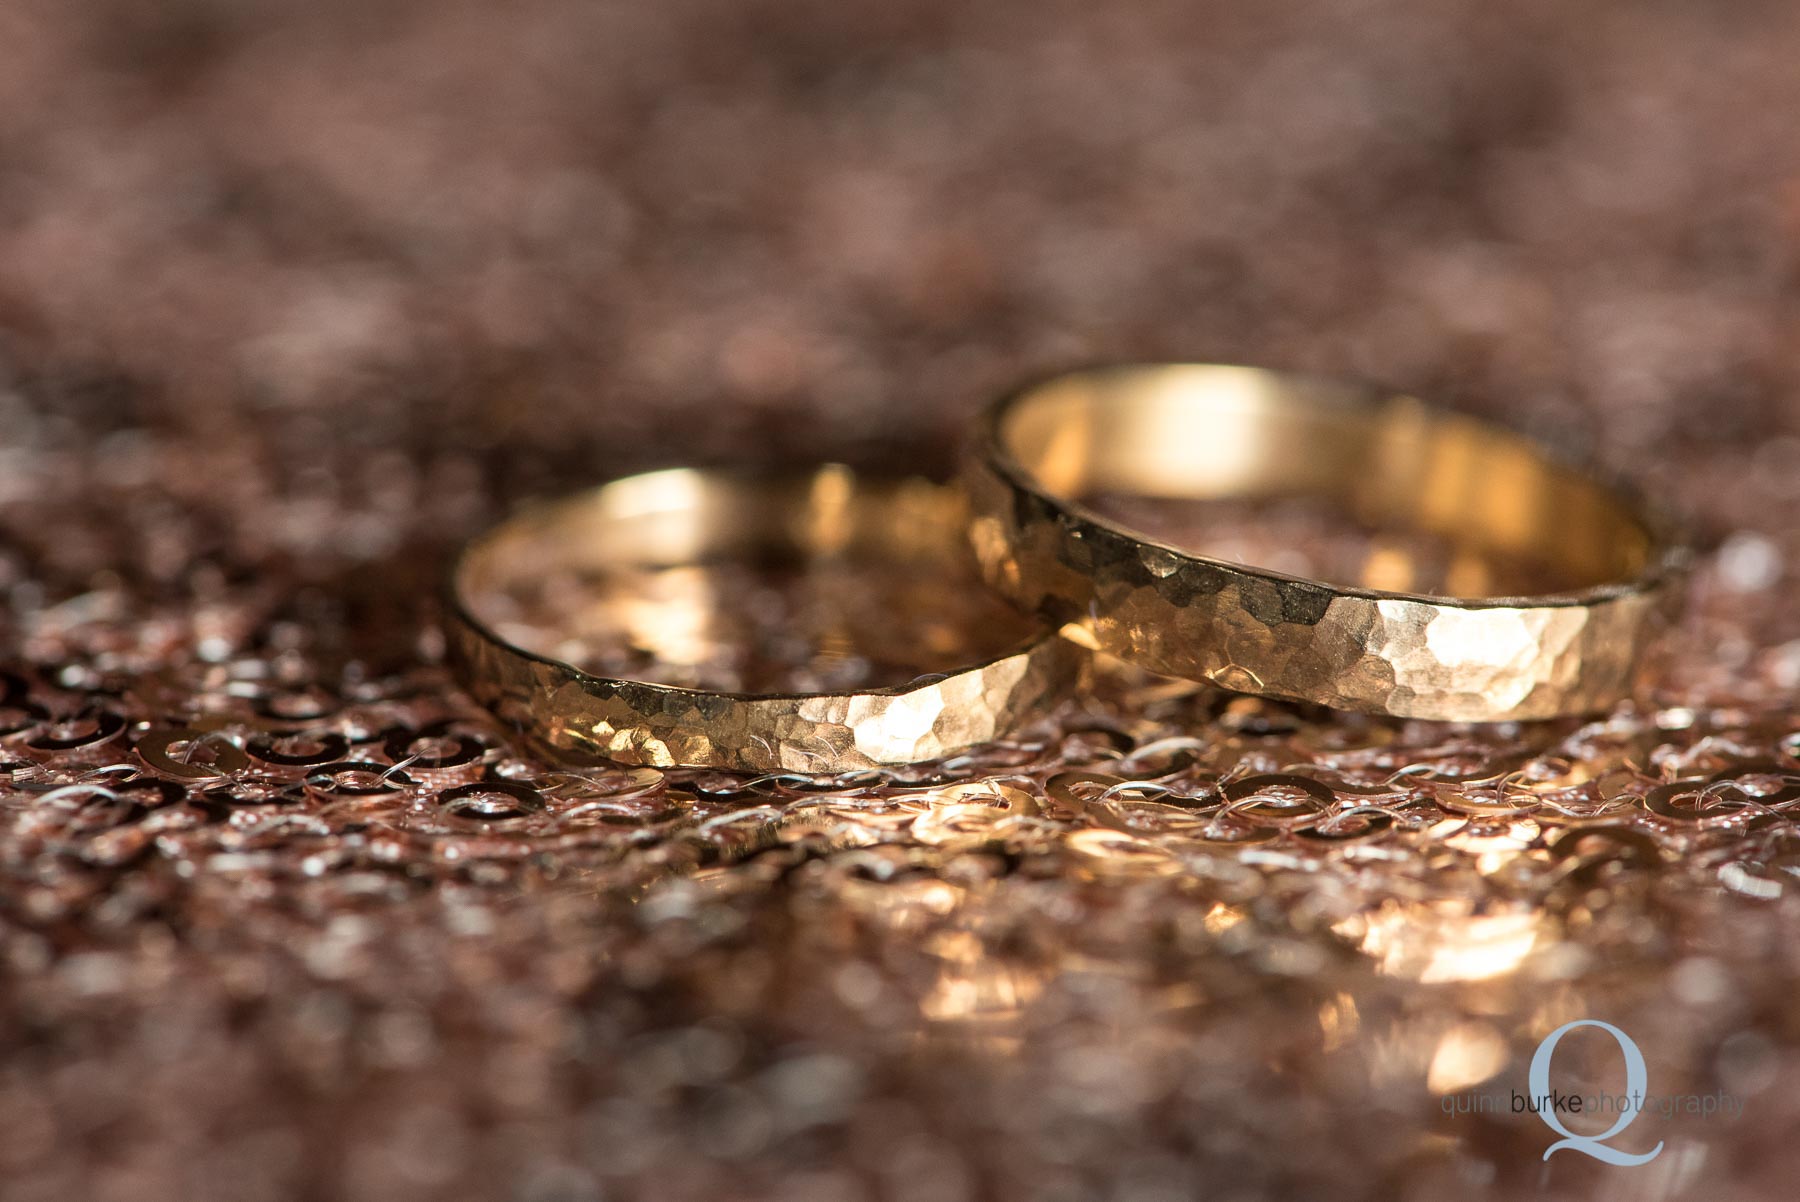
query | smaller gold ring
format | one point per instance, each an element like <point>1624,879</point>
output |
<point>1201,432</point>
<point>686,518</point>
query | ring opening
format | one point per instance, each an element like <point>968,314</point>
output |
<point>810,583</point>
<point>1326,479</point>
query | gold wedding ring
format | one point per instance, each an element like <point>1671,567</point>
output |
<point>1045,457</point>
<point>666,526</point>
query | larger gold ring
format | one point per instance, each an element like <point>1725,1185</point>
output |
<point>1203,432</point>
<point>680,518</point>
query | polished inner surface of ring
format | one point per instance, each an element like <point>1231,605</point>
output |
<point>704,581</point>
<point>1443,504</point>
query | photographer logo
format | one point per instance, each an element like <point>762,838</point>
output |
<point>1556,1107</point>
<point>1550,1105</point>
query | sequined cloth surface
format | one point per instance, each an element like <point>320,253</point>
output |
<point>294,298</point>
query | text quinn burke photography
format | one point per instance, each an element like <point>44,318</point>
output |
<point>1554,1106</point>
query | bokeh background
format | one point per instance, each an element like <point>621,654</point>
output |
<point>590,231</point>
<point>294,295</point>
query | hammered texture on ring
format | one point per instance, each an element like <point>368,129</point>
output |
<point>1205,432</point>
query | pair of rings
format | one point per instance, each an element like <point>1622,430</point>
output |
<point>1030,510</point>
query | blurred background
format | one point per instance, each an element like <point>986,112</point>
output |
<point>590,233</point>
<point>294,295</point>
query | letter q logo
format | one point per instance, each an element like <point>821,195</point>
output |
<point>1637,1077</point>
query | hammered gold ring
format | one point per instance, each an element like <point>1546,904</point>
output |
<point>637,564</point>
<point>1047,459</point>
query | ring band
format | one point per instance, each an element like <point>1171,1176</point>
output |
<point>682,517</point>
<point>1207,432</point>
